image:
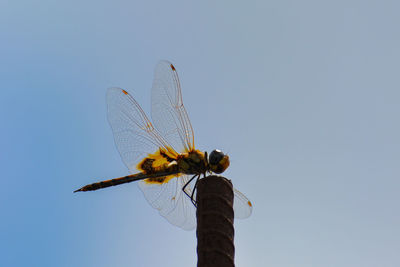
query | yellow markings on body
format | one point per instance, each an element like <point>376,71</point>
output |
<point>249,203</point>
<point>158,163</point>
<point>159,159</point>
<point>166,160</point>
<point>172,67</point>
<point>162,160</point>
<point>125,92</point>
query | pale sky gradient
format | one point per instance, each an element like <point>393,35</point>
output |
<point>303,95</point>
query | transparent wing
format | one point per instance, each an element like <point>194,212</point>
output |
<point>167,111</point>
<point>242,206</point>
<point>171,201</point>
<point>134,135</point>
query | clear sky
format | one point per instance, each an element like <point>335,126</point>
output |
<point>303,95</point>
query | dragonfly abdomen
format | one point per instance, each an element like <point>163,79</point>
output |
<point>113,182</point>
<point>160,177</point>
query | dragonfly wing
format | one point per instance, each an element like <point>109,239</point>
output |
<point>167,110</point>
<point>242,206</point>
<point>136,138</point>
<point>134,135</point>
<point>171,201</point>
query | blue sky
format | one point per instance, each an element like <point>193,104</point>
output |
<point>303,95</point>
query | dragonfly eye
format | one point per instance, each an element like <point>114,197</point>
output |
<point>218,161</point>
<point>215,156</point>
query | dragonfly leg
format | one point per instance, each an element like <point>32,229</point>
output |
<point>194,189</point>
<point>184,187</point>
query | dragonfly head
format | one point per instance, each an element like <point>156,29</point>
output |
<point>218,161</point>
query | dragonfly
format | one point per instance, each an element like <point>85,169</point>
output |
<point>161,155</point>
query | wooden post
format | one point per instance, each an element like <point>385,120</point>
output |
<point>215,231</point>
